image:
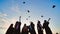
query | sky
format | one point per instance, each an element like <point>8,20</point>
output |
<point>10,10</point>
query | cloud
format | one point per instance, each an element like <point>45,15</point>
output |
<point>2,28</point>
<point>5,23</point>
<point>13,20</point>
<point>3,18</point>
<point>15,8</point>
<point>3,14</point>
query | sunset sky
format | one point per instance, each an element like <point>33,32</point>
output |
<point>10,10</point>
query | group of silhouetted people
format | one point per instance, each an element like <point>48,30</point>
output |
<point>29,29</point>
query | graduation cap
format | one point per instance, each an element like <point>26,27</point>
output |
<point>24,2</point>
<point>29,16</point>
<point>53,6</point>
<point>26,18</point>
<point>41,15</point>
<point>28,11</point>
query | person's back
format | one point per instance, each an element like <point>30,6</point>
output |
<point>10,30</point>
<point>25,29</point>
<point>46,27</point>
<point>48,30</point>
<point>17,27</point>
<point>39,28</point>
<point>32,29</point>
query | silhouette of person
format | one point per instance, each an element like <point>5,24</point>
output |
<point>56,33</point>
<point>17,27</point>
<point>39,28</point>
<point>25,29</point>
<point>10,30</point>
<point>31,28</point>
<point>46,27</point>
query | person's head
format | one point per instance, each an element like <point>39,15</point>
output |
<point>44,20</point>
<point>24,24</point>
<point>31,22</point>
<point>16,23</point>
<point>38,22</point>
<point>56,33</point>
<point>11,26</point>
